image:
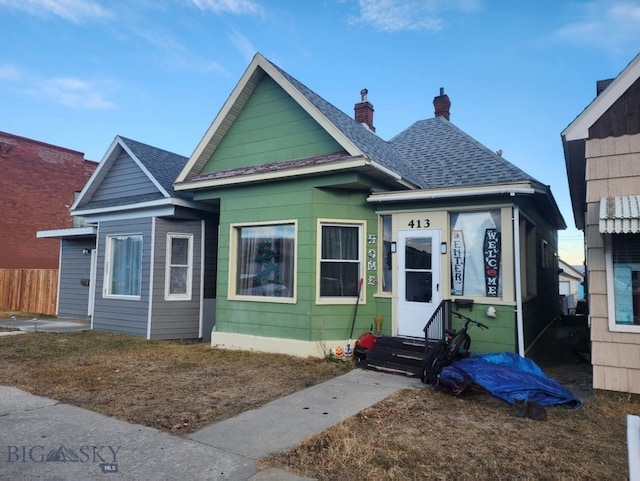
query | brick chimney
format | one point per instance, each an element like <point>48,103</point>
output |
<point>364,111</point>
<point>601,85</point>
<point>442,104</point>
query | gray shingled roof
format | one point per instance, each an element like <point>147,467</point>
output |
<point>427,153</point>
<point>162,164</point>
<point>445,156</point>
<point>369,143</point>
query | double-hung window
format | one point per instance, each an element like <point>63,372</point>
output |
<point>179,267</point>
<point>123,268</point>
<point>341,259</point>
<point>623,281</point>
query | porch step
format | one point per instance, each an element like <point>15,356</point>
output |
<point>397,355</point>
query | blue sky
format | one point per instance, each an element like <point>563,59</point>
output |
<point>76,73</point>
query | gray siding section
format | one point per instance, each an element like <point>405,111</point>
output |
<point>74,268</point>
<point>176,319</point>
<point>127,316</point>
<point>124,179</point>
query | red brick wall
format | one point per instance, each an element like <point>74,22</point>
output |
<point>37,186</point>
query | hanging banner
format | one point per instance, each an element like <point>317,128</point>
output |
<point>491,261</point>
<point>457,263</point>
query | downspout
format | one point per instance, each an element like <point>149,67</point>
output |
<point>152,262</point>
<point>518,279</point>
<point>202,267</point>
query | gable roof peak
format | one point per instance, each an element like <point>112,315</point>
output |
<point>357,141</point>
<point>578,129</point>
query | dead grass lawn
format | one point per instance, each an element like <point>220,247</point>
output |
<point>180,387</point>
<point>177,387</point>
<point>426,434</point>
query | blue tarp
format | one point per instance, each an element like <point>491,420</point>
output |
<point>509,376</point>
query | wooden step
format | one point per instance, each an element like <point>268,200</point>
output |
<point>396,355</point>
<point>390,367</point>
<point>403,343</point>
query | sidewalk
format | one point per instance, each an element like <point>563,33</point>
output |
<point>54,324</point>
<point>41,438</point>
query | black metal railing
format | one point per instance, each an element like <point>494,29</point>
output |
<point>437,324</point>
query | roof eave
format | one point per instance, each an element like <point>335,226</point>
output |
<point>333,167</point>
<point>67,232</point>
<point>510,190</point>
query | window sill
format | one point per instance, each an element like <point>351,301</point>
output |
<point>122,298</point>
<point>270,300</point>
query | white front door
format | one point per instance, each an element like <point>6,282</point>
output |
<point>418,279</point>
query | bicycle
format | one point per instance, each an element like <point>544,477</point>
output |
<point>455,345</point>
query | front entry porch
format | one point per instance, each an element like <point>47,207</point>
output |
<point>404,355</point>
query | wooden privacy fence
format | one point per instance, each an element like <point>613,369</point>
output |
<point>29,290</point>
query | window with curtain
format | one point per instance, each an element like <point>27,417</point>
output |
<point>179,266</point>
<point>124,266</point>
<point>476,254</point>
<point>624,281</point>
<point>340,260</point>
<point>265,260</point>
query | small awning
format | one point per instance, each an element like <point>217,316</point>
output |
<point>620,215</point>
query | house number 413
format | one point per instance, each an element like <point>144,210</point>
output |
<point>419,223</point>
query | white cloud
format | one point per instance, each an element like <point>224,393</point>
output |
<point>72,92</point>
<point>410,15</point>
<point>74,11</point>
<point>174,55</point>
<point>236,7</point>
<point>10,72</point>
<point>611,24</point>
<point>243,44</point>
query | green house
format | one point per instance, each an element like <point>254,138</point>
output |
<point>318,215</point>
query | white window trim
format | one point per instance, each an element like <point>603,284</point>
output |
<point>611,303</point>
<point>362,226</point>
<point>108,268</point>
<point>167,273</point>
<point>233,263</point>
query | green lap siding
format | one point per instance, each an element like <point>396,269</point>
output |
<point>271,127</point>
<point>303,202</point>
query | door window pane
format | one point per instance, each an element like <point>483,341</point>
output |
<point>418,253</point>
<point>419,286</point>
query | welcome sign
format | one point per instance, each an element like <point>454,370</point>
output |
<point>491,261</point>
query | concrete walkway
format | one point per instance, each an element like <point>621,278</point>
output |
<point>53,324</point>
<point>43,439</point>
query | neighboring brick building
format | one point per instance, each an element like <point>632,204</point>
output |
<point>37,186</point>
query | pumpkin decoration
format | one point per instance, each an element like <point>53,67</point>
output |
<point>338,351</point>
